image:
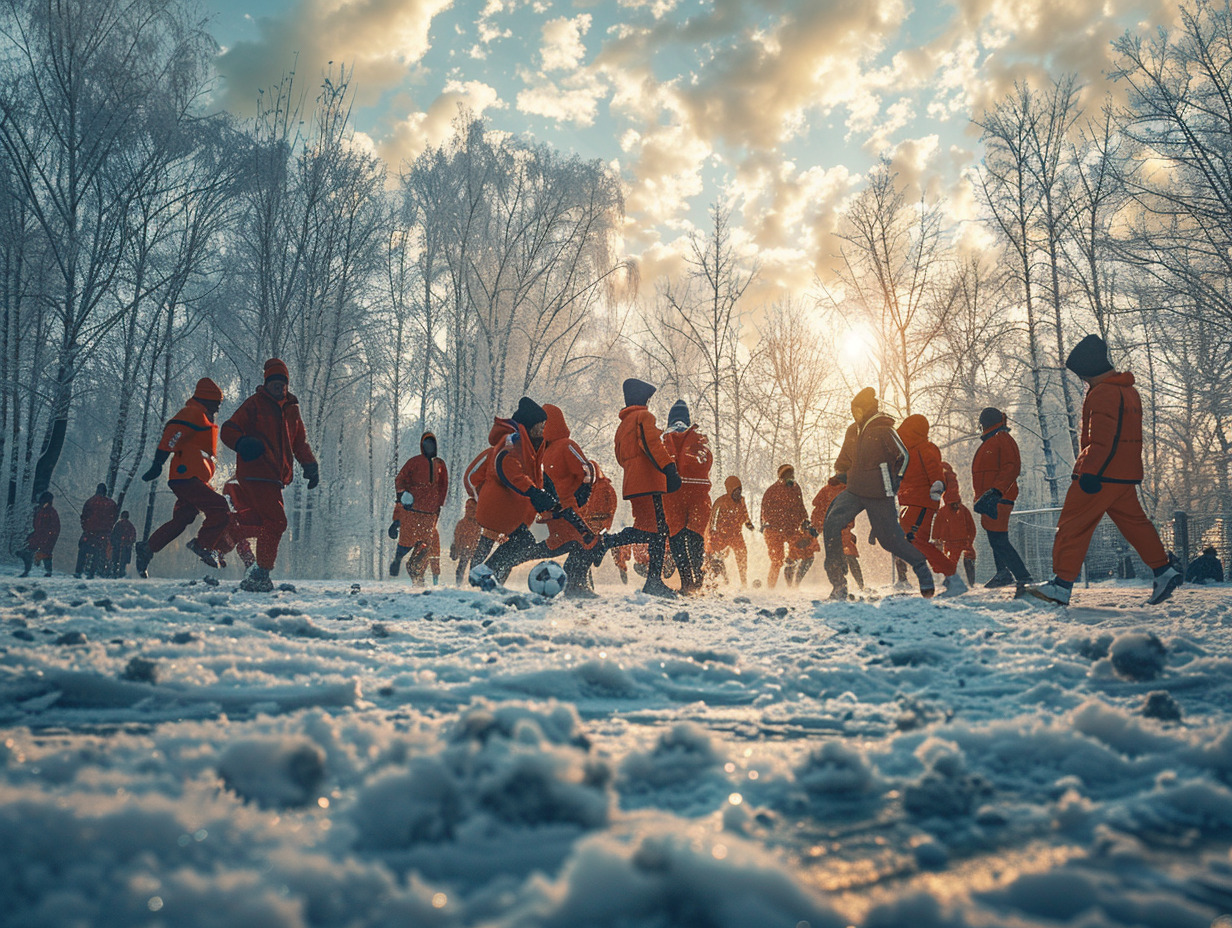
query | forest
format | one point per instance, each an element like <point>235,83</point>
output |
<point>148,239</point>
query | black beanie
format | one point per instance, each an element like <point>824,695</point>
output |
<point>638,392</point>
<point>865,400</point>
<point>1089,357</point>
<point>991,416</point>
<point>45,497</point>
<point>529,413</point>
<point>679,413</point>
<point>101,489</point>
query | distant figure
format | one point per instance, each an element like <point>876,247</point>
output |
<point>821,505</point>
<point>954,526</point>
<point>783,518</point>
<point>123,537</point>
<point>994,481</point>
<point>421,488</point>
<point>728,518</point>
<point>98,515</point>
<point>688,509</point>
<point>1206,568</point>
<point>42,539</point>
<point>465,538</point>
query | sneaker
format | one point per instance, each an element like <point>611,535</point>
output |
<point>257,581</point>
<point>394,566</point>
<point>954,586</point>
<point>999,579</point>
<point>482,576</point>
<point>144,556</point>
<point>1050,592</point>
<point>1164,586</point>
<point>207,556</point>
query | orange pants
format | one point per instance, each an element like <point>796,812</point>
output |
<point>419,528</point>
<point>776,542</point>
<point>688,507</point>
<point>260,515</point>
<point>917,523</point>
<point>1081,514</point>
<point>718,548</point>
<point>644,517</point>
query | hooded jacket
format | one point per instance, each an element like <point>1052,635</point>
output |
<point>425,478</point>
<point>600,510</point>
<point>279,426</point>
<point>45,531</point>
<point>641,453</point>
<point>191,437</point>
<point>691,451</point>
<point>466,532</point>
<point>953,526</point>
<point>98,515</point>
<point>1111,431</point>
<point>563,461</point>
<point>873,458</point>
<point>821,505</point>
<point>782,507</point>
<point>996,464</point>
<point>728,516</point>
<point>923,464</point>
<point>513,466</point>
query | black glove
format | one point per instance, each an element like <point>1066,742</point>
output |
<point>395,528</point>
<point>542,500</point>
<point>249,448</point>
<point>1090,483</point>
<point>160,458</point>
<point>674,482</point>
<point>312,471</point>
<point>987,504</point>
<point>453,553</point>
<point>582,494</point>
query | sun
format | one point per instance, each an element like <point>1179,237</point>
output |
<point>857,345</point>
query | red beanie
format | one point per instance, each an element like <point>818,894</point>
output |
<point>207,390</point>
<point>275,368</point>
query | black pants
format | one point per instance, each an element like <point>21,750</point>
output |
<point>655,542</point>
<point>883,518</point>
<point>518,548</point>
<point>1005,556</point>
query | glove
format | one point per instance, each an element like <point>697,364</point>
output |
<point>152,473</point>
<point>674,482</point>
<point>937,490</point>
<point>312,470</point>
<point>838,480</point>
<point>249,448</point>
<point>407,499</point>
<point>1090,483</point>
<point>582,494</point>
<point>542,500</point>
<point>453,552</point>
<point>394,528</point>
<point>986,505</point>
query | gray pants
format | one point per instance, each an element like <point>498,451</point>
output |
<point>883,517</point>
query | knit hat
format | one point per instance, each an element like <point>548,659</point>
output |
<point>864,404</point>
<point>275,368</point>
<point>679,413</point>
<point>529,413</point>
<point>1089,357</point>
<point>101,489</point>
<point>637,392</point>
<point>45,497</point>
<point>991,417</point>
<point>207,390</point>
<point>786,469</point>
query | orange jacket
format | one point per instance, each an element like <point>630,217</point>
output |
<point>821,505</point>
<point>782,507</point>
<point>427,479</point>
<point>923,464</point>
<point>641,453</point>
<point>192,438</point>
<point>691,451</point>
<point>1112,431</point>
<point>513,467</point>
<point>280,426</point>
<point>872,458</point>
<point>466,532</point>
<point>996,464</point>
<point>563,461</point>
<point>600,510</point>
<point>954,526</point>
<point>728,516</point>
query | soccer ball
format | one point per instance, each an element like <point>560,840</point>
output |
<point>481,575</point>
<point>547,578</point>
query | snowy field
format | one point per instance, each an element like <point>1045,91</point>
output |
<point>181,754</point>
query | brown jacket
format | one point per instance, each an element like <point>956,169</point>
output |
<point>873,458</point>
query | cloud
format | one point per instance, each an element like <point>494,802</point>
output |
<point>562,48</point>
<point>421,129</point>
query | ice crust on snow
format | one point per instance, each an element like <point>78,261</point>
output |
<point>203,757</point>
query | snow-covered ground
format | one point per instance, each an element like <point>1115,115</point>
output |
<point>181,754</point>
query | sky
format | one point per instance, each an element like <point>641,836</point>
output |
<point>776,108</point>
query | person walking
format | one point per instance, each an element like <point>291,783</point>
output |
<point>689,507</point>
<point>123,537</point>
<point>994,481</point>
<point>783,518</point>
<point>919,497</point>
<point>954,526</point>
<point>421,488</point>
<point>45,532</point>
<point>728,518</point>
<point>98,515</point>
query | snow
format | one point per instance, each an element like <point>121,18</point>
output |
<point>175,753</point>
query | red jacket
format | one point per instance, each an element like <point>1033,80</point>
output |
<point>872,458</point>
<point>690,449</point>
<point>923,464</point>
<point>425,478</point>
<point>192,438</point>
<point>46,530</point>
<point>996,464</point>
<point>782,507</point>
<point>568,469</point>
<point>513,466</point>
<point>123,534</point>
<point>600,510</point>
<point>641,453</point>
<point>1112,431</point>
<point>728,516</point>
<point>98,515</point>
<point>821,505</point>
<point>466,532</point>
<point>278,425</point>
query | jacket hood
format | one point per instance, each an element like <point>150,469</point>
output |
<point>501,428</point>
<point>556,427</point>
<point>423,438</point>
<point>731,484</point>
<point>952,493</point>
<point>785,469</point>
<point>914,430</point>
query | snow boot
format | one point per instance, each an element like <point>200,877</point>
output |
<point>47,568</point>
<point>624,575</point>
<point>207,556</point>
<point>954,586</point>
<point>969,570</point>
<point>1165,583</point>
<point>1051,592</point>
<point>1001,578</point>
<point>27,558</point>
<point>925,575</point>
<point>656,587</point>
<point>144,556</point>
<point>838,593</point>
<point>257,581</point>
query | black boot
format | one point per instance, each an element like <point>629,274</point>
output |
<point>27,558</point>
<point>802,568</point>
<point>689,582</point>
<point>396,564</point>
<point>969,568</point>
<point>654,570</point>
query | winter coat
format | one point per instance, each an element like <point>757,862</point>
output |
<point>279,426</point>
<point>782,507</point>
<point>641,453</point>
<point>953,526</point>
<point>923,464</point>
<point>98,514</point>
<point>567,468</point>
<point>821,505</point>
<point>600,510</point>
<point>425,478</point>
<point>46,530</point>
<point>191,437</point>
<point>466,532</point>
<point>728,516</point>
<point>513,466</point>
<point>996,465</point>
<point>690,449</point>
<point>872,458</point>
<point>1204,569</point>
<point>1112,431</point>
<point>123,535</point>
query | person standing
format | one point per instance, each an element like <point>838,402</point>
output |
<point>123,537</point>
<point>783,518</point>
<point>870,465</point>
<point>268,436</point>
<point>919,495</point>
<point>45,532</point>
<point>994,481</point>
<point>421,488</point>
<point>190,439</point>
<point>728,519</point>
<point>954,526</point>
<point>98,515</point>
<point>1105,479</point>
<point>465,539</point>
<point>688,509</point>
